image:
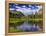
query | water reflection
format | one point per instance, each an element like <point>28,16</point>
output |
<point>27,26</point>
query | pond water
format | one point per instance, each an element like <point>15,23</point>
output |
<point>27,26</point>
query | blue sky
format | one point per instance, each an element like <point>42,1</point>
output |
<point>25,8</point>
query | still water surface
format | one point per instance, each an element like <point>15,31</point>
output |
<point>27,26</point>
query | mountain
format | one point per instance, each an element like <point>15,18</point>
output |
<point>40,11</point>
<point>16,14</point>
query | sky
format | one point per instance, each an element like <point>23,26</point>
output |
<point>25,8</point>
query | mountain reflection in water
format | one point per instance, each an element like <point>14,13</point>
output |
<point>28,26</point>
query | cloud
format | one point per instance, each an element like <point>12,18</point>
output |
<point>30,6</point>
<point>25,11</point>
<point>29,10</point>
<point>37,10</point>
<point>39,7</point>
<point>17,7</point>
<point>23,6</point>
<point>12,8</point>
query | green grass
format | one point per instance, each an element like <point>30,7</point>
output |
<point>16,20</point>
<point>15,30</point>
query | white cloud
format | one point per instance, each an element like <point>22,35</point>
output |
<point>30,6</point>
<point>11,9</point>
<point>37,10</point>
<point>25,11</point>
<point>20,9</point>
<point>23,6</point>
<point>39,7</point>
<point>17,7</point>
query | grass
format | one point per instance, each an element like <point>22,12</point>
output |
<point>16,20</point>
<point>15,30</point>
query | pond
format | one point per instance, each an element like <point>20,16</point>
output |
<point>26,26</point>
